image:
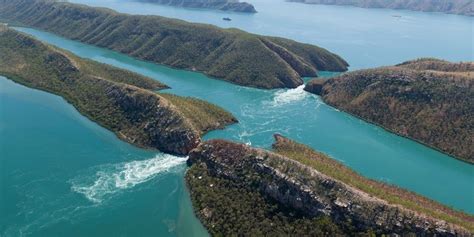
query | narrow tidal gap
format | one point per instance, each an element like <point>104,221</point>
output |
<point>368,149</point>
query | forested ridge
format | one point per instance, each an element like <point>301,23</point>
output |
<point>228,54</point>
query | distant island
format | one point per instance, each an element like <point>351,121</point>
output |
<point>428,100</point>
<point>460,7</point>
<point>228,54</point>
<point>238,190</point>
<point>121,101</point>
<point>223,5</point>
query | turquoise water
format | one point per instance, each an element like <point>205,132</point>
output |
<point>62,174</point>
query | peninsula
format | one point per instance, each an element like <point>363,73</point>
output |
<point>296,191</point>
<point>223,5</point>
<point>124,102</point>
<point>427,100</point>
<point>228,54</point>
<point>460,7</point>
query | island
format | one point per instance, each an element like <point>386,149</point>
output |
<point>124,102</point>
<point>238,190</point>
<point>227,54</point>
<point>460,7</point>
<point>427,100</point>
<point>223,5</point>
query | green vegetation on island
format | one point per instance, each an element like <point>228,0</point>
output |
<point>122,101</point>
<point>229,208</point>
<point>228,54</point>
<point>204,116</point>
<point>427,100</point>
<point>223,5</point>
<point>461,7</point>
<point>240,190</point>
<point>394,195</point>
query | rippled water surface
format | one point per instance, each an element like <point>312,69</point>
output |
<point>62,174</point>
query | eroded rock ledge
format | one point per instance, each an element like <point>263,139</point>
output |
<point>298,187</point>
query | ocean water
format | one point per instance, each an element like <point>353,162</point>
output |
<point>61,174</point>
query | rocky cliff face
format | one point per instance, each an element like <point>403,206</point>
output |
<point>223,5</point>
<point>228,54</point>
<point>427,100</point>
<point>311,192</point>
<point>461,7</point>
<point>153,121</point>
<point>315,86</point>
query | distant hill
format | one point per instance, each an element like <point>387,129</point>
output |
<point>223,5</point>
<point>428,100</point>
<point>228,54</point>
<point>460,7</point>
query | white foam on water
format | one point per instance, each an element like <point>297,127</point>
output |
<point>110,179</point>
<point>283,97</point>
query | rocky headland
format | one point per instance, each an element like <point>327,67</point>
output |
<point>124,102</point>
<point>427,100</point>
<point>294,190</point>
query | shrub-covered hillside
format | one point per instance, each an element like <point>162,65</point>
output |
<point>228,54</point>
<point>428,100</point>
<point>238,190</point>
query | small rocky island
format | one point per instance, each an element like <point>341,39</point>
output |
<point>228,54</point>
<point>428,100</point>
<point>223,5</point>
<point>460,7</point>
<point>293,190</point>
<point>121,101</point>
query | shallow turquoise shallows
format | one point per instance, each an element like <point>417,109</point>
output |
<point>62,174</point>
